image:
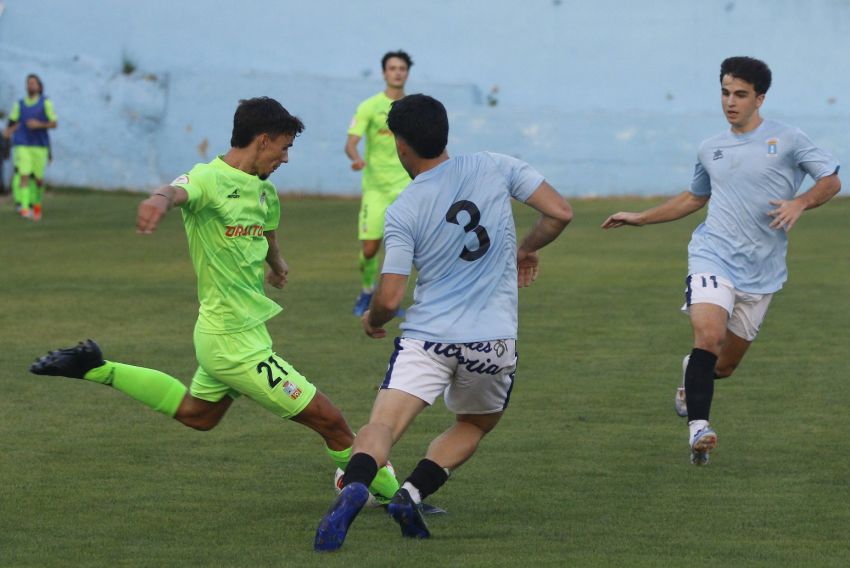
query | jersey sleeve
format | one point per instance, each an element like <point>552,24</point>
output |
<point>360,121</point>
<point>196,184</point>
<point>701,182</point>
<point>398,242</point>
<point>49,111</point>
<point>814,161</point>
<point>522,179</point>
<point>272,208</point>
<point>15,115</point>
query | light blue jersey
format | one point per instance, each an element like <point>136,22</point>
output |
<point>455,225</point>
<point>742,173</point>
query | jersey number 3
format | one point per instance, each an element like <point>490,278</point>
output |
<point>480,232</point>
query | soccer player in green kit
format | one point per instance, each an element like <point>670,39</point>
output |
<point>231,213</point>
<point>383,175</point>
<point>29,122</point>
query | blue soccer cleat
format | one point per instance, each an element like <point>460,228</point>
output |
<point>703,443</point>
<point>362,303</point>
<point>334,526</point>
<point>408,515</point>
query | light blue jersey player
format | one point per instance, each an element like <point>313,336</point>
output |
<point>454,224</point>
<point>749,176</point>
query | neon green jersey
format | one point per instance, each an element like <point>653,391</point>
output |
<point>226,216</point>
<point>48,108</point>
<point>383,171</point>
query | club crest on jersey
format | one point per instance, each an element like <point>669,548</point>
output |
<point>718,154</point>
<point>262,198</point>
<point>772,147</point>
<point>292,390</point>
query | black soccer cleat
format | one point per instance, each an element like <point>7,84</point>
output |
<point>73,362</point>
<point>408,515</point>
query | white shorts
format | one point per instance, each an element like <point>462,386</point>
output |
<point>746,311</point>
<point>474,378</point>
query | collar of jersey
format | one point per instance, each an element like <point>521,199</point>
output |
<point>220,163</point>
<point>750,134</point>
<point>430,173</point>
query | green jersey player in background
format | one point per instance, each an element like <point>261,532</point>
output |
<point>383,175</point>
<point>231,213</point>
<point>29,122</point>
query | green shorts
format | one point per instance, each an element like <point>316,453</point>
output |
<point>30,160</point>
<point>373,207</point>
<point>244,363</point>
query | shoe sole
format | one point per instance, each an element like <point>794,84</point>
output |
<point>702,448</point>
<point>705,444</point>
<point>334,526</point>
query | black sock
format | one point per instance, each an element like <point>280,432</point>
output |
<point>362,468</point>
<point>427,477</point>
<point>699,383</point>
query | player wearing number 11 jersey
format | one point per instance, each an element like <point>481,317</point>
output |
<point>749,176</point>
<point>454,224</point>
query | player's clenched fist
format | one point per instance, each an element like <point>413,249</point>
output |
<point>150,211</point>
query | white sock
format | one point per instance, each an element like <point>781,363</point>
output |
<point>684,368</point>
<point>414,493</point>
<point>695,426</point>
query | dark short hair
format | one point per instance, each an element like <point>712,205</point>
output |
<point>753,71</point>
<point>422,122</point>
<point>37,80</point>
<point>262,115</point>
<point>400,54</point>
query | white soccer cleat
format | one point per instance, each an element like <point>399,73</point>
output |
<point>703,442</point>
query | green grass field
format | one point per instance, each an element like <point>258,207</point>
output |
<point>589,466</point>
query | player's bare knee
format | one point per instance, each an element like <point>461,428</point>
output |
<point>200,423</point>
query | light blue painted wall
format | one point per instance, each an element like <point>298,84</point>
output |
<point>604,97</point>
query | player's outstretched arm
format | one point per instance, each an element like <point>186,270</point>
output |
<point>153,209</point>
<point>357,162</point>
<point>674,208</point>
<point>788,211</point>
<point>555,215</point>
<point>385,303</point>
<point>279,270</point>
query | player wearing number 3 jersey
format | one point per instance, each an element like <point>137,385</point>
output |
<point>231,213</point>
<point>454,224</point>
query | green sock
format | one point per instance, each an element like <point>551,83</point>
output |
<point>385,484</point>
<point>24,195</point>
<point>368,271</point>
<point>36,193</point>
<point>16,188</point>
<point>152,388</point>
